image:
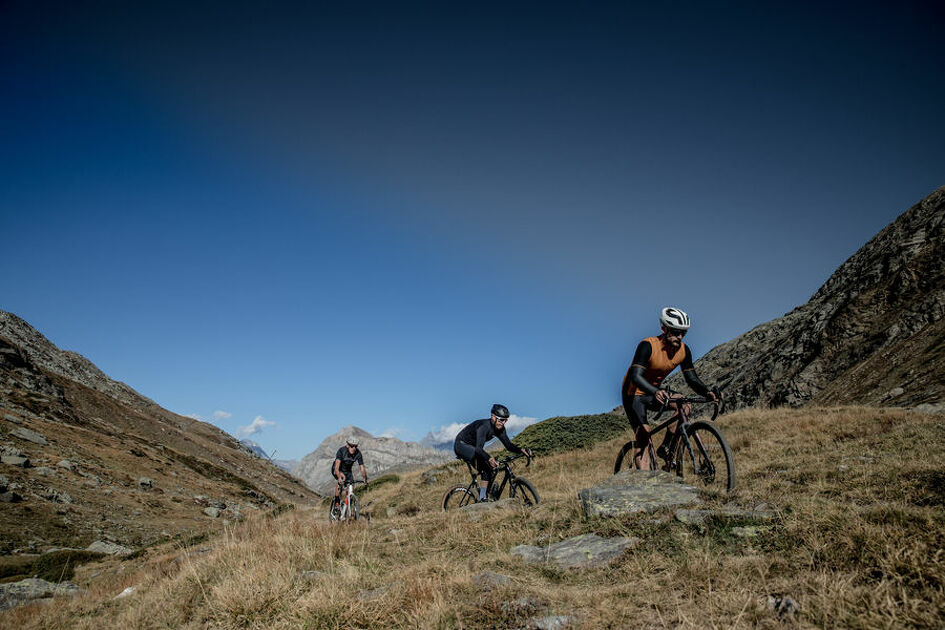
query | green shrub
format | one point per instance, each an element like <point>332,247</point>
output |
<point>59,566</point>
<point>376,483</point>
<point>556,435</point>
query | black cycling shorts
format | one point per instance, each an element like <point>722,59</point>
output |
<point>636,408</point>
<point>349,475</point>
<point>467,453</point>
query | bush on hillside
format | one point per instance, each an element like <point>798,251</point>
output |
<point>556,435</point>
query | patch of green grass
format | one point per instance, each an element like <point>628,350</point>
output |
<point>556,435</point>
<point>376,483</point>
<point>59,566</point>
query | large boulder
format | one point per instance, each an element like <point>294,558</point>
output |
<point>631,491</point>
<point>32,589</point>
<point>587,551</point>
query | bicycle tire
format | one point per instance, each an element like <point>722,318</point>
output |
<point>354,508</point>
<point>458,496</point>
<point>716,464</point>
<point>623,461</point>
<point>522,488</point>
<point>334,512</point>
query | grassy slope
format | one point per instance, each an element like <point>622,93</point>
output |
<point>858,543</point>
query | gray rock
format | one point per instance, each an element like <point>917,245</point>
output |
<point>11,418</point>
<point>784,606</point>
<point>109,548</point>
<point>552,622</point>
<point>488,506</point>
<point>369,595</point>
<point>51,494</point>
<point>44,471</point>
<point>4,482</point>
<point>125,593</point>
<point>13,460</point>
<point>750,531</point>
<point>10,497</point>
<point>931,408</point>
<point>522,606</point>
<point>32,589</point>
<point>212,512</point>
<point>488,580</point>
<point>29,435</point>
<point>145,482</point>
<point>633,491</point>
<point>584,551</point>
<point>698,517</point>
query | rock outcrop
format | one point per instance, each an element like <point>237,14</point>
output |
<point>381,455</point>
<point>874,333</point>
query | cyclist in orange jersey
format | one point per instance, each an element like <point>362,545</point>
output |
<point>653,360</point>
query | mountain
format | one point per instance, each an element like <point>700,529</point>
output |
<point>381,455</point>
<point>87,458</point>
<point>873,334</point>
<point>254,448</point>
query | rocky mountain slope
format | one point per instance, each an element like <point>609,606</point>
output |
<point>874,333</point>
<point>86,458</point>
<point>381,455</point>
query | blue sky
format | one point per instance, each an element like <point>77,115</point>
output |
<point>394,217</point>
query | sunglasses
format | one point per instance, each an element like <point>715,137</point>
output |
<point>672,332</point>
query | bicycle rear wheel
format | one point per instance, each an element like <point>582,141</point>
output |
<point>458,496</point>
<point>711,461</point>
<point>523,489</point>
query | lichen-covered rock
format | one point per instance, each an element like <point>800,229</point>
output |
<point>109,548</point>
<point>29,435</point>
<point>633,491</point>
<point>587,551</point>
<point>32,589</point>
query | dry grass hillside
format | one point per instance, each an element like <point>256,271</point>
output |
<point>857,542</point>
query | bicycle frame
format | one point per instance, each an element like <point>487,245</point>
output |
<point>507,478</point>
<point>682,421</point>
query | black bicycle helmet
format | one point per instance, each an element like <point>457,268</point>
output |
<point>500,411</point>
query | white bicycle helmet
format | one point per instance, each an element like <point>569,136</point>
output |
<point>352,440</point>
<point>674,318</point>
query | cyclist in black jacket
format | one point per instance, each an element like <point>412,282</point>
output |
<point>345,459</point>
<point>470,444</point>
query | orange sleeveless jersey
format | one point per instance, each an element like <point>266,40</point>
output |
<point>661,364</point>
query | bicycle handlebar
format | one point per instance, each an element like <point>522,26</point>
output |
<point>512,458</point>
<point>697,400</point>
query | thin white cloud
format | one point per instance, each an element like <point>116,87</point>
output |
<point>221,415</point>
<point>516,424</point>
<point>392,432</point>
<point>256,426</point>
<point>446,433</point>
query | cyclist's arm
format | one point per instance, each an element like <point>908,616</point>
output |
<point>641,358</point>
<point>689,373</point>
<point>507,443</point>
<point>337,468</point>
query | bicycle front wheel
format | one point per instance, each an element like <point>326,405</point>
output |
<point>354,508</point>
<point>625,460</point>
<point>523,490</point>
<point>334,512</point>
<point>457,497</point>
<point>711,461</point>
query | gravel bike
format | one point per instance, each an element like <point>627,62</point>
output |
<point>519,487</point>
<point>347,508</point>
<point>698,449</point>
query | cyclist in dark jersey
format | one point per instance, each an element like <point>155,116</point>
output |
<point>653,360</point>
<point>470,444</point>
<point>345,458</point>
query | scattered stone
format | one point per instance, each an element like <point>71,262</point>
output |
<point>391,512</point>
<point>931,407</point>
<point>11,418</point>
<point>4,482</point>
<point>895,391</point>
<point>109,548</point>
<point>32,589</point>
<point>475,510</point>
<point>522,606</point>
<point>125,593</point>
<point>43,471</point>
<point>551,622</point>
<point>587,551</point>
<point>313,575</point>
<point>212,512</point>
<point>488,580</point>
<point>631,491</point>
<point>29,435</point>
<point>430,477</point>
<point>68,465</point>
<point>10,497</point>
<point>14,460</point>
<point>750,531</point>
<point>145,482</point>
<point>698,517</point>
<point>51,494</point>
<point>784,606</point>
<point>369,595</point>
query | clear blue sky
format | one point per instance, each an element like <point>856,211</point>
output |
<point>393,217</point>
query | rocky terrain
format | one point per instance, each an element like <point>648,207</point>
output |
<point>873,334</point>
<point>87,459</point>
<point>381,455</point>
